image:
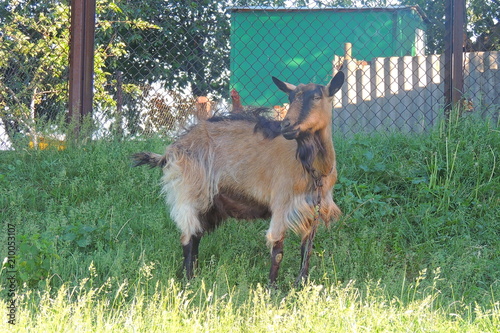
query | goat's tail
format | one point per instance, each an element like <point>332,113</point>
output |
<point>151,159</point>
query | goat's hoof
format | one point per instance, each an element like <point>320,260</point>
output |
<point>272,286</point>
<point>301,280</point>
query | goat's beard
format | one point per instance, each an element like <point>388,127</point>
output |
<point>308,147</point>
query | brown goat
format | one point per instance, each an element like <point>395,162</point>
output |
<point>247,167</point>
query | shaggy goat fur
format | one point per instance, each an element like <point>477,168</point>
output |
<point>242,166</point>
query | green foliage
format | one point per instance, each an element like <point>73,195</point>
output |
<point>34,55</point>
<point>81,235</point>
<point>189,48</point>
<point>36,252</point>
<point>33,59</point>
<point>483,18</point>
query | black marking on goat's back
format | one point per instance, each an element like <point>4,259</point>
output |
<point>269,128</point>
<point>232,117</point>
<point>249,115</point>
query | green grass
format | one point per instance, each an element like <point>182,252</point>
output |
<point>417,249</point>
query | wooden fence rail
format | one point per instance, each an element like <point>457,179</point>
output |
<point>407,93</point>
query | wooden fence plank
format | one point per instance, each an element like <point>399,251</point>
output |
<point>407,93</point>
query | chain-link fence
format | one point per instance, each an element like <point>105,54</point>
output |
<point>34,49</point>
<point>161,65</point>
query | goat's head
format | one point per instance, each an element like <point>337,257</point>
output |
<point>310,106</point>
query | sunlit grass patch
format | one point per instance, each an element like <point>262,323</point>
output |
<point>174,308</point>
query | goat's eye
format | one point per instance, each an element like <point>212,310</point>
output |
<point>317,98</point>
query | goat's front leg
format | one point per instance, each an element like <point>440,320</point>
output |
<point>276,257</point>
<point>190,251</point>
<point>306,250</point>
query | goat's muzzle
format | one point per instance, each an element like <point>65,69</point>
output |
<point>288,131</point>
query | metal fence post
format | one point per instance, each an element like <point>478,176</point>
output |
<point>454,48</point>
<point>81,63</point>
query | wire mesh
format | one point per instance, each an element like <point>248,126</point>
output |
<point>162,65</point>
<point>34,46</point>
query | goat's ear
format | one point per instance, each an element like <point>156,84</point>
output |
<point>335,84</point>
<point>283,86</point>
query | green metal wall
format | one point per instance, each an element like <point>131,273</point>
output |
<point>299,46</point>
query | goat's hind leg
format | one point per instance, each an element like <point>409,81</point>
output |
<point>201,223</point>
<point>187,220</point>
<point>190,251</point>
